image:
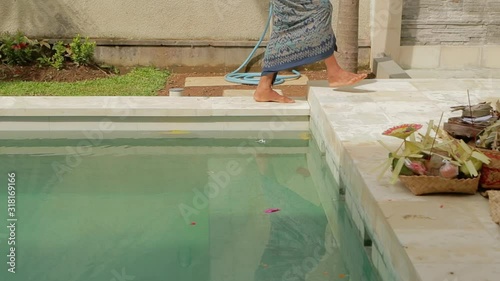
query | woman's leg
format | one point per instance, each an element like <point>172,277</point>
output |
<point>338,77</point>
<point>265,92</point>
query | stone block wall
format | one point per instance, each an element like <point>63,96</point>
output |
<point>450,22</point>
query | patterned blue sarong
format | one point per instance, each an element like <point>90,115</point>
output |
<point>302,34</point>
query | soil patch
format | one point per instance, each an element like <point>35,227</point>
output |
<point>70,73</point>
<point>73,73</point>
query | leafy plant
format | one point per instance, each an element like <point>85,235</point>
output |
<point>489,137</point>
<point>81,51</point>
<point>56,60</point>
<point>17,49</point>
<point>425,154</point>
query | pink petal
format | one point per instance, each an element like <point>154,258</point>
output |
<point>271,210</point>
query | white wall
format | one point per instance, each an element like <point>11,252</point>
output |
<point>146,19</point>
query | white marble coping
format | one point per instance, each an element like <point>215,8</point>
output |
<point>146,106</point>
<point>428,238</point>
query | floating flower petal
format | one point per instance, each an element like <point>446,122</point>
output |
<point>271,210</point>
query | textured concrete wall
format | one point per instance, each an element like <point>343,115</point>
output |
<point>145,19</point>
<point>451,22</point>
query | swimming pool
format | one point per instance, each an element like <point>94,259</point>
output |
<point>176,209</point>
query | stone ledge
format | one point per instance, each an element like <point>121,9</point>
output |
<point>146,107</point>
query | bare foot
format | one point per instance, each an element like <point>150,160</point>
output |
<point>344,78</point>
<point>269,95</point>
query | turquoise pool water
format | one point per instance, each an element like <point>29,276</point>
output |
<point>173,209</point>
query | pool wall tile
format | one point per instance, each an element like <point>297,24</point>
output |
<point>24,124</point>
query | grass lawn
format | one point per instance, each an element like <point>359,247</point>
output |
<point>139,82</point>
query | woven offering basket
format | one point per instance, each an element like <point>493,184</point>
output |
<point>490,174</point>
<point>420,185</point>
<point>494,198</point>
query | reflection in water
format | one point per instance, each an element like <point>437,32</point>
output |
<point>297,236</point>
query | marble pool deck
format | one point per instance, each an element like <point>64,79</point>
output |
<point>428,238</point>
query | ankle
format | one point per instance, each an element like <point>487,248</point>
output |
<point>264,87</point>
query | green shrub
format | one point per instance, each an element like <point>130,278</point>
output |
<point>17,49</point>
<point>81,51</point>
<point>56,58</point>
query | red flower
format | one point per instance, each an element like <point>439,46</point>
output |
<point>19,46</point>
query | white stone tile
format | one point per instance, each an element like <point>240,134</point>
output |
<point>447,271</point>
<point>375,85</point>
<point>403,96</point>
<point>10,103</point>
<point>429,215</point>
<point>423,105</point>
<point>358,119</point>
<point>461,246</point>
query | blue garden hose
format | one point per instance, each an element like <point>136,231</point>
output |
<point>254,77</point>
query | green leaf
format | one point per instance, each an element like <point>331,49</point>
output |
<point>465,147</point>
<point>385,166</point>
<point>470,167</point>
<point>481,157</point>
<point>415,156</point>
<point>397,170</point>
<point>45,44</point>
<point>412,138</point>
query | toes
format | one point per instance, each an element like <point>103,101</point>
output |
<point>283,99</point>
<point>357,78</point>
<point>273,97</point>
